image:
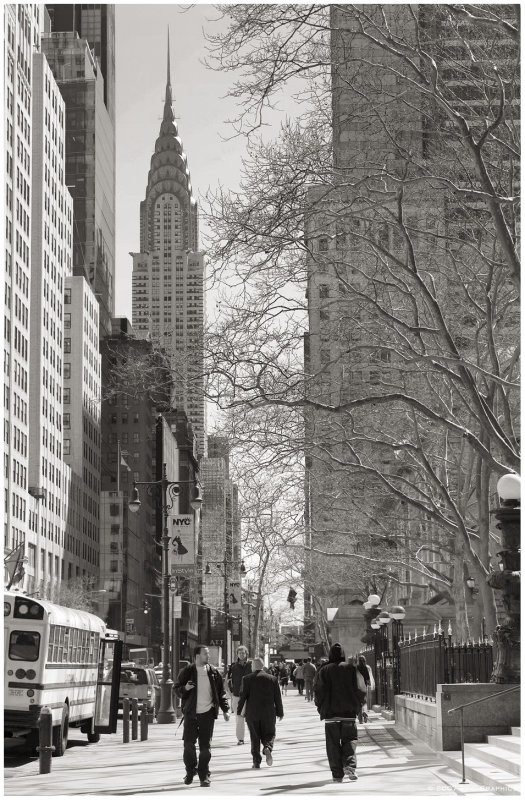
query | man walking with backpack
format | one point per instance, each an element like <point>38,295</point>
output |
<point>340,692</point>
<point>201,690</point>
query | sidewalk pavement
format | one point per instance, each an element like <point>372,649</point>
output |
<point>390,762</point>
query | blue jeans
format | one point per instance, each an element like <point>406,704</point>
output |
<point>199,727</point>
<point>341,742</point>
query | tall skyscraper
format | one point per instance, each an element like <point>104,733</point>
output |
<point>94,22</point>
<point>81,52</point>
<point>46,502</point>
<point>168,272</point>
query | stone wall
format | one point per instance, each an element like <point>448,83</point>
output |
<point>440,730</point>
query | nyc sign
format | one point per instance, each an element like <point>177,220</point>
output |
<point>181,546</point>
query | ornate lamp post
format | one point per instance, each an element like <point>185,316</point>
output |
<point>224,574</point>
<point>165,492</point>
<point>506,637</point>
<point>398,615</point>
<point>383,619</point>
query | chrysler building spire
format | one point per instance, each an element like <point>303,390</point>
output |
<point>168,115</point>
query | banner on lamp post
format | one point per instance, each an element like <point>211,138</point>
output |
<point>234,597</point>
<point>181,546</point>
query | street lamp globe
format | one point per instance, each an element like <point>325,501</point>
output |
<point>196,502</point>
<point>375,625</point>
<point>367,605</point>
<point>398,612</point>
<point>383,618</point>
<point>374,599</point>
<point>134,504</point>
<point>509,487</point>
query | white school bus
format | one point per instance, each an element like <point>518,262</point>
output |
<point>60,658</point>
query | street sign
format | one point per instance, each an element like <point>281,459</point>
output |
<point>177,569</point>
<point>173,584</point>
<point>177,606</point>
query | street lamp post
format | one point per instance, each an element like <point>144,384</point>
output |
<point>165,493</point>
<point>506,637</point>
<point>397,614</point>
<point>224,574</point>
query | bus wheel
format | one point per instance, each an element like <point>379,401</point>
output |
<point>93,737</point>
<point>60,733</point>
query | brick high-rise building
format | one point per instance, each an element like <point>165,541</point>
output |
<point>389,138</point>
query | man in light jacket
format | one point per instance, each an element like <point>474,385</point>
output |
<point>236,672</point>
<point>339,694</point>
<point>201,690</point>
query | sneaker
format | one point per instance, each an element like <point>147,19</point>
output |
<point>256,766</point>
<point>206,782</point>
<point>241,741</point>
<point>268,753</point>
<point>350,773</point>
<point>337,780</point>
<point>188,778</point>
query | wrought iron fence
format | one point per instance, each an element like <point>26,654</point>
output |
<point>418,664</point>
<point>432,659</point>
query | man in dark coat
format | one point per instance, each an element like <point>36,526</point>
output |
<point>261,695</point>
<point>339,694</point>
<point>201,690</point>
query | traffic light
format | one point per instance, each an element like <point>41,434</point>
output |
<point>292,594</point>
<point>146,607</point>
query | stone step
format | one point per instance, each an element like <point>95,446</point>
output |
<point>487,775</point>
<point>511,743</point>
<point>515,731</point>
<point>503,759</point>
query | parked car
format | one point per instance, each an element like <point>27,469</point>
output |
<point>142,683</point>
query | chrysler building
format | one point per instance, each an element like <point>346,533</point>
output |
<point>168,272</point>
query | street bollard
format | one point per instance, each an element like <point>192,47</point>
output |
<point>143,723</point>
<point>125,720</point>
<point>45,740</point>
<point>134,718</point>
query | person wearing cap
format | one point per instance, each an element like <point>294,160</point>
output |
<point>339,694</point>
<point>261,696</point>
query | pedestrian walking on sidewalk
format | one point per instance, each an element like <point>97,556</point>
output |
<point>235,675</point>
<point>309,674</point>
<point>299,678</point>
<point>368,677</point>
<point>201,690</point>
<point>340,692</point>
<point>283,677</point>
<point>261,696</point>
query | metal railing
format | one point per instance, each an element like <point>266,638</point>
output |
<point>416,666</point>
<point>462,731</point>
<point>434,659</point>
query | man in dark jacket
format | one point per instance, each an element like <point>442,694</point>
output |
<point>339,693</point>
<point>201,690</point>
<point>262,697</point>
<point>236,672</point>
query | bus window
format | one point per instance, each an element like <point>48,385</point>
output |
<point>24,646</point>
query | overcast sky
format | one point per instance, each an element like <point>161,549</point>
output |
<point>141,48</point>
